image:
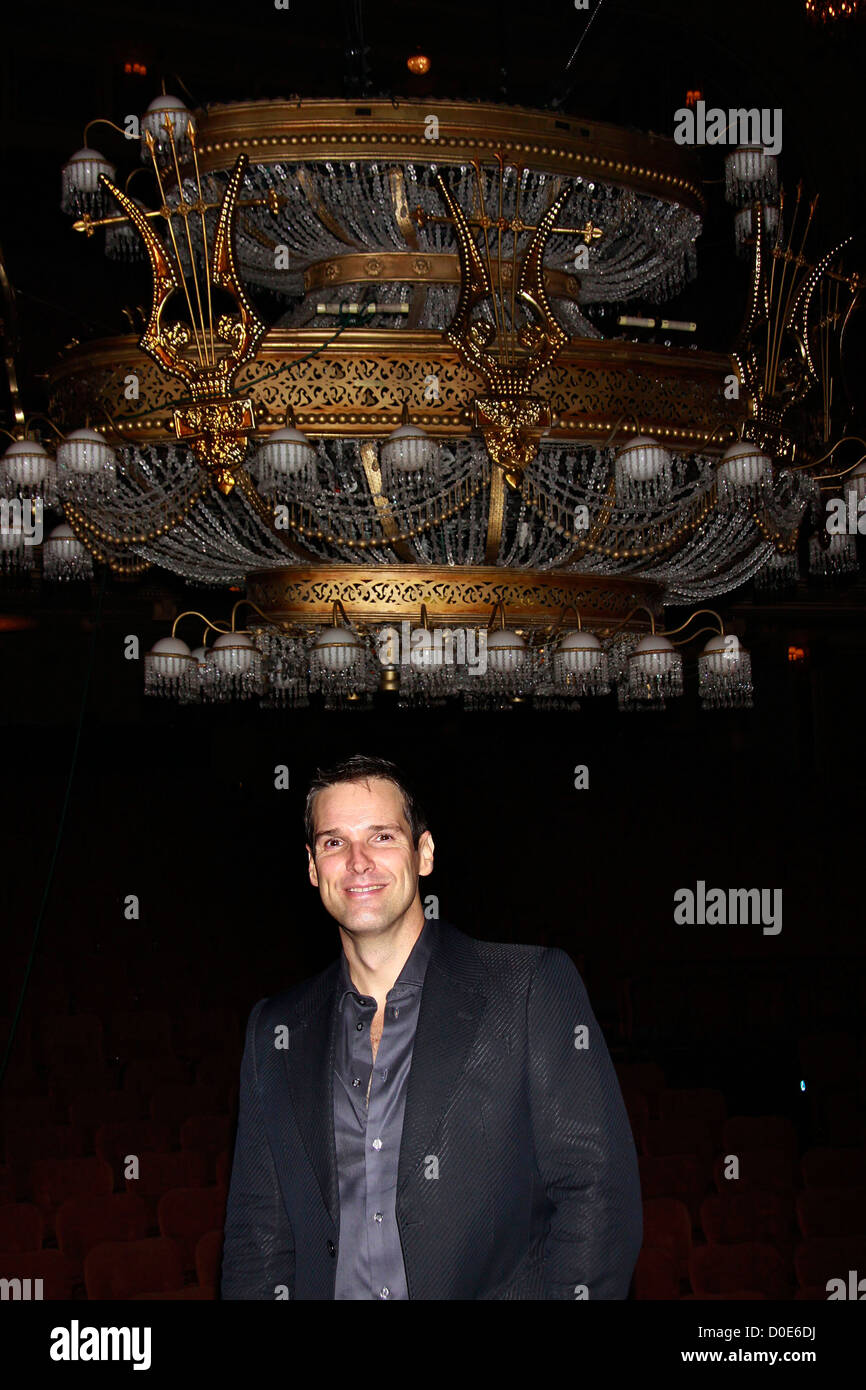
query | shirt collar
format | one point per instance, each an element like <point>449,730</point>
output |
<point>413,970</point>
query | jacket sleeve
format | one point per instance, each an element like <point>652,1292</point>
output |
<point>258,1247</point>
<point>583,1141</point>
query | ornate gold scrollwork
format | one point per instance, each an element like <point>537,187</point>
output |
<point>509,358</point>
<point>216,424</point>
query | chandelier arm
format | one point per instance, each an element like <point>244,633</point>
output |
<point>249,603</point>
<point>640,608</point>
<point>693,635</point>
<point>103,120</point>
<point>38,415</point>
<point>194,613</point>
<point>823,477</point>
<point>813,463</point>
<point>669,632</point>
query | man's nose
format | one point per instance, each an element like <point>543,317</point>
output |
<point>360,858</point>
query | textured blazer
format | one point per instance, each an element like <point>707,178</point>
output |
<point>518,1175</point>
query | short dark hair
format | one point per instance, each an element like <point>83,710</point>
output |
<point>360,768</point>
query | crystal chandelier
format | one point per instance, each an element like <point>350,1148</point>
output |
<point>428,435</point>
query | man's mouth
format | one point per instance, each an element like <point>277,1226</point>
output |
<point>366,891</point>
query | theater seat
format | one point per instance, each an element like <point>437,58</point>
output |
<point>656,1277</point>
<point>22,1225</point>
<point>723,1269</point>
<point>208,1258</point>
<point>186,1213</point>
<point>667,1226</point>
<point>59,1277</point>
<point>84,1222</point>
<point>122,1269</point>
<point>56,1180</point>
<point>825,1167</point>
<point>835,1211</point>
<point>749,1214</point>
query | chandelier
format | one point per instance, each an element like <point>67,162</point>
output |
<point>431,472</point>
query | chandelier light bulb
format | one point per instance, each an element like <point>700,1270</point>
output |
<point>655,670</point>
<point>725,674</point>
<point>744,474</point>
<point>580,664</point>
<point>285,454</point>
<point>64,558</point>
<point>506,651</point>
<point>408,449</point>
<point>642,469</point>
<point>839,556</point>
<point>166,119</point>
<point>336,648</point>
<point>28,470</point>
<point>751,175</point>
<point>167,666</point>
<point>81,190</point>
<point>85,462</point>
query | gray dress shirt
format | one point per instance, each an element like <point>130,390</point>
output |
<point>368,1127</point>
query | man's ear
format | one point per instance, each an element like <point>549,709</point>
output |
<point>311,865</point>
<point>426,850</point>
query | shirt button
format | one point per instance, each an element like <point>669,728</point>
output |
<point>384,1293</point>
<point>359,1026</point>
<point>356,1081</point>
<point>378,1216</point>
<point>396,1013</point>
<point>377,1143</point>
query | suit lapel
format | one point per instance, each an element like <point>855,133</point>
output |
<point>451,1007</point>
<point>309,1063</point>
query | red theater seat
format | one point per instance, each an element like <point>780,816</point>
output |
<point>186,1214</point>
<point>676,1175</point>
<point>208,1258</point>
<point>123,1269</point>
<point>826,1257</point>
<point>699,1103</point>
<point>22,1226</point>
<point>823,1167</point>
<point>59,1277</point>
<point>55,1181</point>
<point>835,1211</point>
<point>656,1277</point>
<point>749,1132</point>
<point>667,1226</point>
<point>723,1269</point>
<point>84,1222</point>
<point>766,1168</point>
<point>749,1214</point>
<point>160,1172</point>
<point>171,1105</point>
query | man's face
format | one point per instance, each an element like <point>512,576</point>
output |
<point>366,868</point>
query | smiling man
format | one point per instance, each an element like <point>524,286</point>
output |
<point>433,1116</point>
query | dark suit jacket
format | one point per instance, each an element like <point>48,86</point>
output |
<point>537,1193</point>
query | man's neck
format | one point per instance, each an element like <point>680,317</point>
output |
<point>375,962</point>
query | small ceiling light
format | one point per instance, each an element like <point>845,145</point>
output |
<point>419,63</point>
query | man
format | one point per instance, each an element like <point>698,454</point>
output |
<point>432,1117</point>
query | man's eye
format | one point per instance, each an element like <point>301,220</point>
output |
<point>387,834</point>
